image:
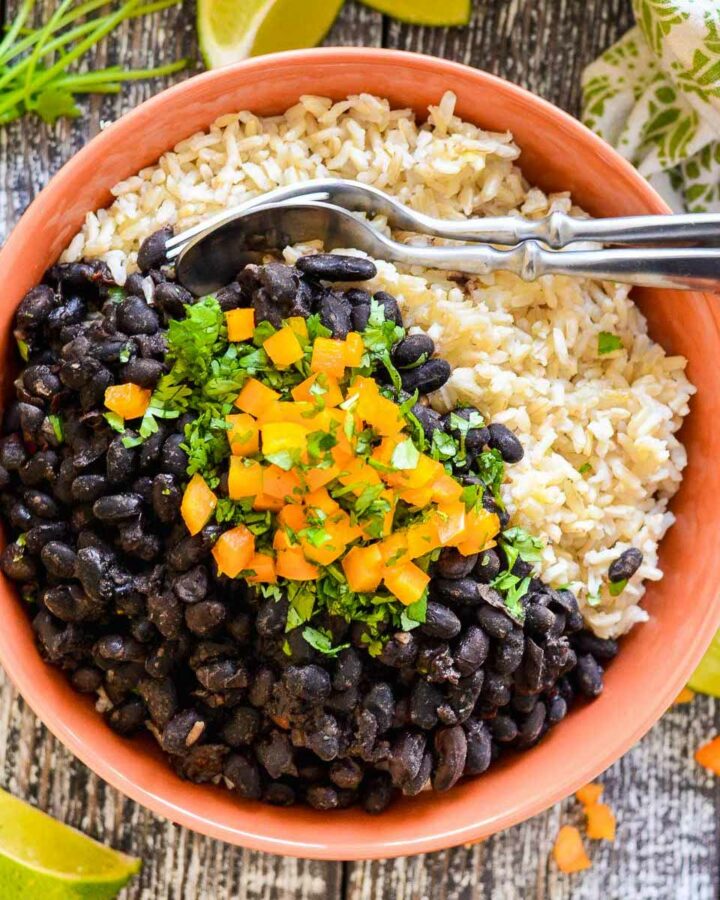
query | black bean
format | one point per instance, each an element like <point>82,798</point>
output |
<point>192,586</point>
<point>359,316</point>
<point>476,438</point>
<point>463,696</point>
<point>495,622</point>
<point>428,377</point>
<point>205,617</point>
<point>507,656</point>
<point>222,675</point>
<point>413,786</point>
<point>479,747</point>
<point>118,648</point>
<point>86,679</point>
<point>323,738</point>
<point>261,687</point>
<point>589,676</point>
<point>413,350</point>
<point>504,441</point>
<point>172,299</point>
<point>453,564</point>
<point>31,420</point>
<point>127,718</point>
<point>279,794</point>
<point>151,346</point>
<point>117,507</point>
<point>451,755</point>
<point>174,460</point>
<point>17,564</point>
<point>42,466</point>
<point>380,702</point>
<point>272,616</point>
<point>538,619</point>
<point>556,710</point>
<point>12,452</point>
<point>377,793</point>
<point>151,449</point>
<point>242,728</point>
<point>390,306</point>
<point>334,313</point>
<point>21,517</point>
<point>346,773</point>
<point>72,312</point>
<point>120,461</point>
<point>457,591</point>
<point>310,683</point>
<point>92,394</point>
<point>601,648</point>
<point>34,308</point>
<point>401,650</point>
<point>322,797</point>
<point>59,559</point>
<point>429,419</point>
<point>143,372</point>
<point>348,670</point>
<point>335,267</point>
<point>496,689</point>
<point>524,703</point>
<point>41,382</point>
<point>88,488</point>
<point>531,728</point>
<point>39,535</point>
<point>532,671</point>
<point>276,755</point>
<point>166,498</point>
<point>626,565</point>
<point>160,698</point>
<point>503,729</point>
<point>440,622</point>
<point>151,254</point>
<point>182,731</point>
<point>193,549</point>
<point>471,650</point>
<point>424,702</point>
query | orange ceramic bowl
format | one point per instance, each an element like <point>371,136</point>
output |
<point>657,657</point>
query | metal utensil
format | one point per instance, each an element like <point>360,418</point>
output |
<point>214,256</point>
<point>556,230</point>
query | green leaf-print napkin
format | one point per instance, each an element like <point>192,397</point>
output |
<point>655,95</point>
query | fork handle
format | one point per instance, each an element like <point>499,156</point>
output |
<point>558,229</point>
<point>686,269</point>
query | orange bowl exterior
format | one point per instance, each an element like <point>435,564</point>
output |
<point>656,658</point>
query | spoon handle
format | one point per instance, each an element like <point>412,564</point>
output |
<point>686,269</point>
<point>558,229</point>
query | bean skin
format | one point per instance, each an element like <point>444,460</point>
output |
<point>626,565</point>
<point>440,622</point>
<point>503,440</point>
<point>335,267</point>
<point>451,756</point>
<point>151,254</point>
<point>414,349</point>
<point>428,377</point>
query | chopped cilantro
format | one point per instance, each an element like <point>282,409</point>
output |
<point>321,640</point>
<point>23,349</point>
<point>405,455</point>
<point>518,543</point>
<point>608,342</point>
<point>513,589</point>
<point>594,599</point>
<point>491,471</point>
<point>585,468</point>
<point>443,446</point>
<point>57,425</point>
<point>124,355</point>
<point>284,459</point>
<point>617,587</point>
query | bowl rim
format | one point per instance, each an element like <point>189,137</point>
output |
<point>20,670</point>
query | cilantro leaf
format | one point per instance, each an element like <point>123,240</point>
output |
<point>405,456</point>
<point>519,543</point>
<point>617,587</point>
<point>491,471</point>
<point>513,589</point>
<point>321,640</point>
<point>608,342</point>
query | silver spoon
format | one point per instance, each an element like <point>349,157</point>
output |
<point>214,257</point>
<point>556,230</point>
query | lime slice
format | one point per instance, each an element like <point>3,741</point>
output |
<point>232,30</point>
<point>42,858</point>
<point>706,678</point>
<point>425,12</point>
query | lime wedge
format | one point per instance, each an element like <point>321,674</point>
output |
<point>425,12</point>
<point>42,858</point>
<point>232,30</point>
<point>706,678</point>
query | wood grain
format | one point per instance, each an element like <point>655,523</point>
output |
<point>668,845</point>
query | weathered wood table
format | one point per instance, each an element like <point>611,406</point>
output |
<point>668,845</point>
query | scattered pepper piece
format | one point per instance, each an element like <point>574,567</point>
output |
<point>600,822</point>
<point>198,504</point>
<point>589,793</point>
<point>244,434</point>
<point>569,851</point>
<point>283,348</point>
<point>128,400</point>
<point>407,582</point>
<point>234,550</point>
<point>244,480</point>
<point>685,696</point>
<point>254,397</point>
<point>240,324</point>
<point>709,755</point>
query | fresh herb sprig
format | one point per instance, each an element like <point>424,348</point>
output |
<point>36,64</point>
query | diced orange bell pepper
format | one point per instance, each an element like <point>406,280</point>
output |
<point>279,411</point>
<point>281,484</point>
<point>244,434</point>
<point>283,348</point>
<point>127,400</point>
<point>589,793</point>
<point>240,324</point>
<point>374,409</point>
<point>244,480</point>
<point>388,518</point>
<point>709,755</point>
<point>384,450</point>
<point>406,581</point>
<point>327,390</point>
<point>255,397</point>
<point>263,565</point>
<point>481,527</point>
<point>569,852</point>
<point>394,548</point>
<point>422,538</point>
<point>328,356</point>
<point>358,473</point>
<point>354,349</point>
<point>451,523</point>
<point>282,541</point>
<point>233,550</point>
<point>446,489</point>
<point>328,551</point>
<point>198,504</point>
<point>291,563</point>
<point>281,437</point>
<point>425,473</point>
<point>292,516</point>
<point>685,696</point>
<point>298,325</point>
<point>600,822</point>
<point>264,502</point>
<point>320,499</point>
<point>419,497</point>
<point>363,568</point>
<point>317,478</point>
